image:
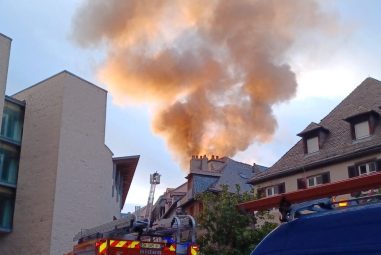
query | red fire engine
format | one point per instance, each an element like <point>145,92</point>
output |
<point>126,237</point>
<point>126,247</point>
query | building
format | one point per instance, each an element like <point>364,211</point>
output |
<point>205,175</point>
<point>58,176</point>
<point>344,144</point>
<point>210,175</point>
<point>166,204</point>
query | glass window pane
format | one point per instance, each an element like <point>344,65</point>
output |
<point>9,160</point>
<point>6,207</point>
<point>12,122</point>
<point>311,182</point>
<point>319,179</point>
<point>362,169</point>
<point>372,166</point>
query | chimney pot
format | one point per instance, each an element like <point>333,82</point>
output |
<point>212,157</point>
<point>217,157</point>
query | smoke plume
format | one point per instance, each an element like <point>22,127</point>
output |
<point>211,70</point>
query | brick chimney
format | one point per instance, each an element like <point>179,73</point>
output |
<point>204,163</point>
<point>195,163</point>
<point>198,163</point>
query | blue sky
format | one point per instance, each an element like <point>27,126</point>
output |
<point>41,47</point>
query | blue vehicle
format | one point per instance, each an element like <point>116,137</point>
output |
<point>347,231</point>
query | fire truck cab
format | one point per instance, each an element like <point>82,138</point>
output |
<point>345,230</point>
<point>314,222</point>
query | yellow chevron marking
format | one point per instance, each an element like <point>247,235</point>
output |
<point>193,251</point>
<point>133,244</point>
<point>172,248</point>
<point>121,243</point>
<point>102,247</point>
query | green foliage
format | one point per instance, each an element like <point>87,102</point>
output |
<point>225,230</point>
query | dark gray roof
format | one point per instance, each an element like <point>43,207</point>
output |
<point>234,173</point>
<point>338,143</point>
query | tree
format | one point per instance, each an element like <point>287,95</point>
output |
<point>225,230</point>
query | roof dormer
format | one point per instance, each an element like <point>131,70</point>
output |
<point>363,123</point>
<point>313,136</point>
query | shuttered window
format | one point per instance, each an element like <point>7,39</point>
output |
<point>362,130</point>
<point>312,145</point>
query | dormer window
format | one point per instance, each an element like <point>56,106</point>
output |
<point>313,136</point>
<point>312,145</point>
<point>362,130</point>
<point>362,123</point>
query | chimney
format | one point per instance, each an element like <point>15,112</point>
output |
<point>254,168</point>
<point>195,164</point>
<point>204,163</point>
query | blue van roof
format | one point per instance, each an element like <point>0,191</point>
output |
<point>352,230</point>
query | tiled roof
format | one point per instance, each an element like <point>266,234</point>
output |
<point>338,142</point>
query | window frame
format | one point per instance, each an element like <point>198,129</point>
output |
<point>276,189</point>
<point>315,179</point>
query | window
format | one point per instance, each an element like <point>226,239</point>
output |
<point>367,168</point>
<point>362,130</point>
<point>12,122</point>
<point>6,207</point>
<point>312,145</point>
<point>314,180</point>
<point>364,168</point>
<point>9,159</point>
<point>271,190</point>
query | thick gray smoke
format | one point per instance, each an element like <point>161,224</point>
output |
<point>210,69</point>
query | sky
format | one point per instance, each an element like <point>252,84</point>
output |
<point>42,46</point>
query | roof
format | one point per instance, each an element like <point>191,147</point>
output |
<point>126,166</point>
<point>338,144</point>
<point>6,37</point>
<point>64,72</point>
<point>234,173</point>
<point>230,173</point>
<point>312,127</point>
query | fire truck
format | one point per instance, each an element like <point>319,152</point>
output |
<point>127,237</point>
<point>317,221</point>
<point>131,236</point>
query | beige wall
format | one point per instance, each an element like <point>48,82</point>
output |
<point>5,48</point>
<point>33,216</point>
<point>84,178</point>
<point>337,172</point>
<point>65,176</point>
